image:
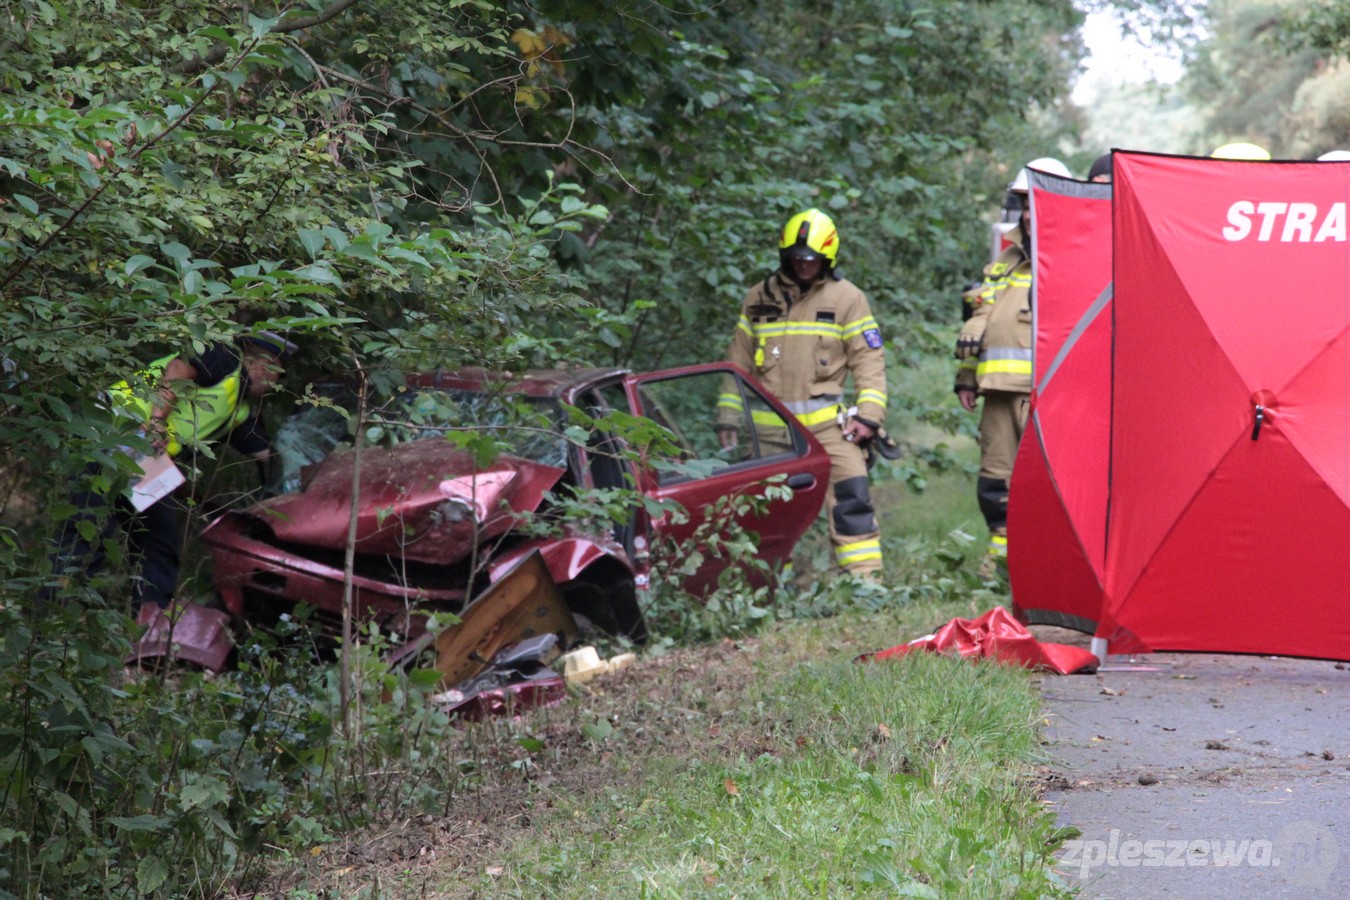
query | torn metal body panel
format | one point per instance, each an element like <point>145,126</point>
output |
<point>186,632</point>
<point>523,604</point>
<point>422,501</point>
<point>437,526</point>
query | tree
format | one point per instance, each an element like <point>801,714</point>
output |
<point>171,175</point>
<point>893,119</point>
<point>1268,75</point>
<point>1323,26</point>
<point>397,182</point>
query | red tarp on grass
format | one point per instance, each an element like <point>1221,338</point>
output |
<point>996,635</point>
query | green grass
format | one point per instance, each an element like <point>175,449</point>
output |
<point>781,767</point>
<point>771,765</point>
<point>815,776</point>
<point>925,533</point>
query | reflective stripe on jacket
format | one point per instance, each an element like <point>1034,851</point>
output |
<point>803,346</point>
<point>1002,323</point>
<point>199,413</point>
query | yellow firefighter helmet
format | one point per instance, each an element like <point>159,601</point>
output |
<point>1240,150</point>
<point>809,235</point>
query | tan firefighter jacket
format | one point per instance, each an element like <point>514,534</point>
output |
<point>802,347</point>
<point>1002,325</point>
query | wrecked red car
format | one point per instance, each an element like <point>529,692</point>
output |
<point>432,525</point>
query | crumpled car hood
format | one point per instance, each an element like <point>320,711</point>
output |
<point>425,501</point>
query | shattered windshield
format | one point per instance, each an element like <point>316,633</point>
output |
<point>523,426</point>
<point>317,428</point>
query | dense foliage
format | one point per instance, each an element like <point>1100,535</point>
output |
<point>393,183</point>
<point>1265,75</point>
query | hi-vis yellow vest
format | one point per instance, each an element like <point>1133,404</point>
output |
<point>198,414</point>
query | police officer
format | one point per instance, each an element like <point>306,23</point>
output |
<point>178,402</point>
<point>802,331</point>
<point>994,349</point>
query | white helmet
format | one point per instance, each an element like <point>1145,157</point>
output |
<point>1048,164</point>
<point>1334,156</point>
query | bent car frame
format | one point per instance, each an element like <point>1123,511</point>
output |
<point>429,524</point>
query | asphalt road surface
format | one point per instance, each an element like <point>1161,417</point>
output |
<point>1199,775</point>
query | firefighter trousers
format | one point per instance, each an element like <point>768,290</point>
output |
<point>1003,418</point>
<point>848,505</point>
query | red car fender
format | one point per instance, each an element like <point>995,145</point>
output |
<point>566,558</point>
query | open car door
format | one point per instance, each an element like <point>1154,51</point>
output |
<point>769,442</point>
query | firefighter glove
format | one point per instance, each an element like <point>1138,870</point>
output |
<point>886,445</point>
<point>881,444</point>
<point>967,346</point>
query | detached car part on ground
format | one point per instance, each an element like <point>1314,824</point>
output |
<point>434,529</point>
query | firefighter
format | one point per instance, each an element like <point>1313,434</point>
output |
<point>1101,168</point>
<point>1241,150</point>
<point>994,350</point>
<point>803,331</point>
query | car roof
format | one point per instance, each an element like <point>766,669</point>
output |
<point>562,383</point>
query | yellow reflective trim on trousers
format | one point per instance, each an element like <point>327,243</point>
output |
<point>731,401</point>
<point>998,545</point>
<point>858,551</point>
<point>820,416</point>
<point>767,418</point>
<point>1004,367</point>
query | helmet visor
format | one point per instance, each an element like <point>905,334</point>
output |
<point>801,251</point>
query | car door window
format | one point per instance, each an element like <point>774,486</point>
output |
<point>718,420</point>
<point>604,452</point>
